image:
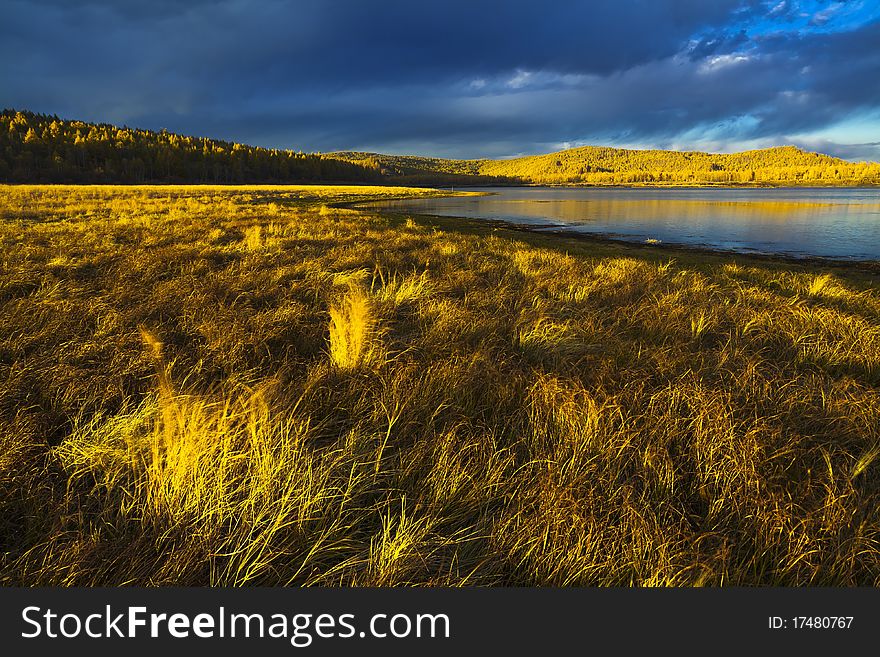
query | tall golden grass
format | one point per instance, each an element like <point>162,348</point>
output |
<point>251,386</point>
<point>352,330</point>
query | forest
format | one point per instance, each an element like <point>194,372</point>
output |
<point>596,165</point>
<point>38,148</point>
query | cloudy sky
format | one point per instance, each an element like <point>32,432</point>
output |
<point>457,78</point>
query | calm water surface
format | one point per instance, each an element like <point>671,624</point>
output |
<point>801,222</point>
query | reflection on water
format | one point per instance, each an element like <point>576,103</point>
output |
<point>834,223</point>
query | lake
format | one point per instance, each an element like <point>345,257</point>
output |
<point>839,223</point>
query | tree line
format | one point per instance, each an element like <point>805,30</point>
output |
<point>38,148</point>
<point>601,165</point>
<point>595,165</point>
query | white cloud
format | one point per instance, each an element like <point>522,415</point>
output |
<point>520,80</point>
<point>713,64</point>
<point>779,8</point>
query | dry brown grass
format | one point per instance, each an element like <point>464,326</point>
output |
<point>237,386</point>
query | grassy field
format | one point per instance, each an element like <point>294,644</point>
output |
<point>249,386</point>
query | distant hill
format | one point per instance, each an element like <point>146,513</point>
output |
<point>41,148</point>
<point>608,166</point>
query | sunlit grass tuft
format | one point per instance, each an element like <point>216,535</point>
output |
<point>353,330</point>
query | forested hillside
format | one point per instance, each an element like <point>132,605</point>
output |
<point>608,166</point>
<point>36,148</point>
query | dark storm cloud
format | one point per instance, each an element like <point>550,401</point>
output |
<point>822,77</point>
<point>353,42</point>
<point>454,78</point>
<point>861,152</point>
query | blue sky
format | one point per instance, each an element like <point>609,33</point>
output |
<point>458,78</point>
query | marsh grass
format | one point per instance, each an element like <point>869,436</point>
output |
<point>353,330</point>
<point>254,386</point>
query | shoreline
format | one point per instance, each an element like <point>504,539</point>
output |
<point>467,186</point>
<point>872,266</point>
<point>865,266</point>
<point>664,185</point>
